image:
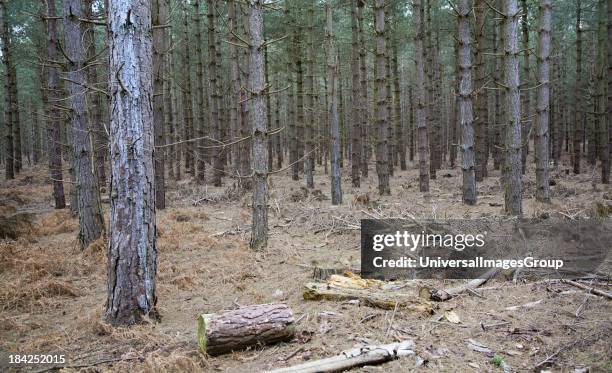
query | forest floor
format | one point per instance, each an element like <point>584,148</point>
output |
<point>52,295</point>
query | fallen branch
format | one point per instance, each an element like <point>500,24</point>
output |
<point>440,295</point>
<point>590,290</point>
<point>354,358</point>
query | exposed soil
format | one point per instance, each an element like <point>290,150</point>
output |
<point>52,295</point>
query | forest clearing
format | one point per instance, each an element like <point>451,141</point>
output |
<point>224,185</point>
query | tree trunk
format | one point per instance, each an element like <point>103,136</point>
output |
<point>513,184</point>
<point>578,109</point>
<point>243,327</point>
<point>234,82</point>
<point>382,115</point>
<point>245,121</point>
<point>17,151</point>
<point>309,116</point>
<point>480,94</point>
<point>421,124</point>
<point>170,117</point>
<point>357,104</point>
<point>91,222</point>
<point>10,106</point>
<point>526,92</point>
<point>300,108</point>
<point>215,94</point>
<point>95,112</point>
<point>604,153</point>
<point>187,98</point>
<point>609,104</point>
<point>465,105</point>
<point>132,253</point>
<point>543,104</point>
<point>159,16</point>
<point>259,230</point>
<point>201,99</point>
<point>332,78</point>
<point>400,151</point>
<point>365,112</point>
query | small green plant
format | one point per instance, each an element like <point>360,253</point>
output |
<point>497,360</point>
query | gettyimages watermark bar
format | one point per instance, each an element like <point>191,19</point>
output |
<point>467,249</point>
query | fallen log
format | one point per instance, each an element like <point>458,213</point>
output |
<point>244,327</point>
<point>590,290</point>
<point>353,358</point>
<point>374,297</point>
<point>441,295</point>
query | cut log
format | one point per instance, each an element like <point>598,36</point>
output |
<point>353,358</point>
<point>590,290</point>
<point>374,297</point>
<point>243,327</point>
<point>440,295</point>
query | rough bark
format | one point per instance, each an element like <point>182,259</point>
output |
<point>132,253</point>
<point>382,114</point>
<point>609,99</point>
<point>365,112</point>
<point>543,103</point>
<point>465,105</point>
<point>309,102</point>
<point>400,147</point>
<point>525,91</point>
<point>187,98</point>
<point>356,99</point>
<point>159,16</point>
<point>169,113</point>
<point>215,95</point>
<point>259,230</point>
<point>299,75</point>
<point>244,327</point>
<point>9,106</point>
<point>91,222</point>
<point>234,81</point>
<point>245,120</point>
<point>602,119</point>
<point>201,98</point>
<point>513,183</point>
<point>480,94</point>
<point>95,101</point>
<point>334,119</point>
<point>17,150</point>
<point>578,109</point>
<point>421,125</point>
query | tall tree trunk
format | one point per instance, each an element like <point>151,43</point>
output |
<point>187,98</point>
<point>9,107</point>
<point>132,253</point>
<point>259,231</point>
<point>309,104</point>
<point>497,77</point>
<point>201,97</point>
<point>421,124</point>
<point>170,117</point>
<point>159,16</point>
<point>357,104</point>
<point>382,114</point>
<point>513,184</point>
<point>17,150</point>
<point>429,96</point>
<point>543,104</point>
<point>578,92</point>
<point>95,111</point>
<point>91,222</point>
<point>234,81</point>
<point>215,94</point>
<point>36,148</point>
<point>334,119</point>
<point>526,92</point>
<point>465,105</point>
<point>245,120</point>
<point>603,130</point>
<point>299,75</point>
<point>609,104</point>
<point>365,112</point>
<point>480,96</point>
<point>397,109</point>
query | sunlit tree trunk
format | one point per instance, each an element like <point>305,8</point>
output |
<point>132,253</point>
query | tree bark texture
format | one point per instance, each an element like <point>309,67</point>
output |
<point>334,118</point>
<point>543,103</point>
<point>10,106</point>
<point>159,14</point>
<point>421,125</point>
<point>382,114</point>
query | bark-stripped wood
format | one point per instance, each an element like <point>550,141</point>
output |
<point>244,327</point>
<point>132,252</point>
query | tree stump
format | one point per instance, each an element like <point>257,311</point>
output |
<point>245,326</point>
